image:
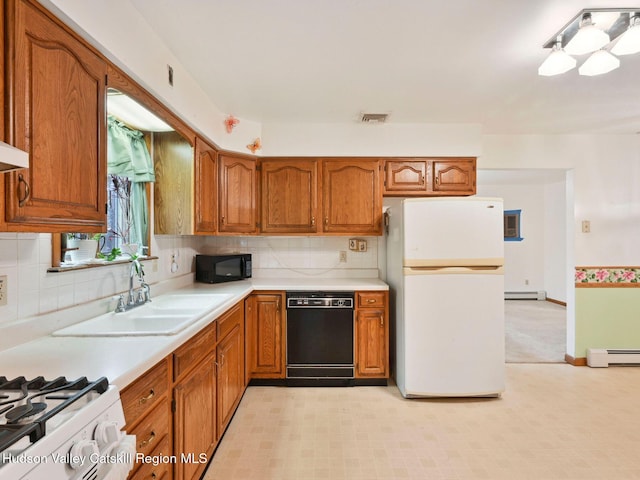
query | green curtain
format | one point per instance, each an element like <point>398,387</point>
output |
<point>128,156</point>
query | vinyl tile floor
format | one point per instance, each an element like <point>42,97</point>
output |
<point>554,421</point>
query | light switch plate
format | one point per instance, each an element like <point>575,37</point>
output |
<point>3,290</point>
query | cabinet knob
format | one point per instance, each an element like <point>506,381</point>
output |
<point>371,300</point>
<point>313,221</point>
<point>222,220</point>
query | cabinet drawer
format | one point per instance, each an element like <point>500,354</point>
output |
<point>189,354</point>
<point>371,299</point>
<point>152,429</point>
<point>229,320</point>
<point>140,396</point>
<point>149,471</point>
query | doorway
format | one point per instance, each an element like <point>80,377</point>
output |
<point>537,270</point>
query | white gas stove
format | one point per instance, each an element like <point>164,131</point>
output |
<point>62,429</point>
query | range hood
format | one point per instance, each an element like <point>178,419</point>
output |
<point>12,158</point>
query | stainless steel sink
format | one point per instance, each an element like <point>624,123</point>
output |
<point>166,315</point>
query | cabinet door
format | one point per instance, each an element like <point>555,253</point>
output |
<point>289,195</point>
<point>195,418</point>
<point>230,354</point>
<point>372,356</point>
<point>352,197</point>
<point>237,195</point>
<point>206,188</point>
<point>265,336</point>
<point>405,177</point>
<point>58,103</point>
<point>454,176</point>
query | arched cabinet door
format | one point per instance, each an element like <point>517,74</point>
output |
<point>237,194</point>
<point>58,96</point>
<point>206,187</point>
<point>454,176</point>
<point>352,196</point>
<point>405,177</point>
<point>289,195</point>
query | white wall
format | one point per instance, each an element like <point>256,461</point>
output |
<point>555,241</point>
<point>606,186</point>
<point>357,139</point>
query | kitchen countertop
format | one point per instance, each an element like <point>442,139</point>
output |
<point>123,359</point>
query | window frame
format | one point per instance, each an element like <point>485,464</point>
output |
<point>515,214</point>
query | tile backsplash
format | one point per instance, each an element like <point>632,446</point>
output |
<point>293,257</point>
<point>33,291</point>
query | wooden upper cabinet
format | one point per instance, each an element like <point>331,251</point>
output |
<point>289,195</point>
<point>456,176</point>
<point>427,177</point>
<point>405,177</point>
<point>351,196</point>
<point>206,187</point>
<point>237,194</point>
<point>58,95</point>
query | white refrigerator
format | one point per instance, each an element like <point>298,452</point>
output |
<point>445,270</point>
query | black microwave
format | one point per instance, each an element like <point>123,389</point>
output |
<point>223,268</point>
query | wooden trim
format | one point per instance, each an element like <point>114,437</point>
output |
<point>557,302</point>
<point>608,285</point>
<point>607,267</point>
<point>576,362</point>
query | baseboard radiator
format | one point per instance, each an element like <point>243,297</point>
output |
<point>600,357</point>
<point>541,295</point>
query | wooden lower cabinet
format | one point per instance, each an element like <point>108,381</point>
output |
<point>148,416</point>
<point>230,355</point>
<point>182,405</point>
<point>372,335</point>
<point>161,471</point>
<point>265,335</point>
<point>195,418</point>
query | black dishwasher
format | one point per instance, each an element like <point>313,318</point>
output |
<point>320,336</point>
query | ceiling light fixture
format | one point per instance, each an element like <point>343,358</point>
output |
<point>588,38</point>
<point>603,31</point>
<point>557,62</point>
<point>629,41</point>
<point>598,63</point>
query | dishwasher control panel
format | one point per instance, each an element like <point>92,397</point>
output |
<point>320,300</point>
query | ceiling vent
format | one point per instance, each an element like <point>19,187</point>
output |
<point>374,117</point>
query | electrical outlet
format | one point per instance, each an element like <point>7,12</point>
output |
<point>353,244</point>
<point>3,290</point>
<point>586,226</point>
<point>343,256</point>
<point>362,245</point>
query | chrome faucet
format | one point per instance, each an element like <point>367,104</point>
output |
<point>135,297</point>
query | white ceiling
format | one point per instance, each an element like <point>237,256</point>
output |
<point>421,61</point>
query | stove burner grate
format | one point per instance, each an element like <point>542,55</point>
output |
<point>21,401</point>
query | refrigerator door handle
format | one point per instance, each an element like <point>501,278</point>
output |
<point>477,270</point>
